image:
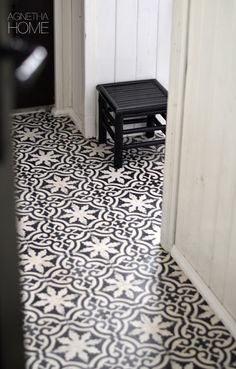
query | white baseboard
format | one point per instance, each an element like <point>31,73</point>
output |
<point>58,112</point>
<point>205,291</point>
<point>90,128</point>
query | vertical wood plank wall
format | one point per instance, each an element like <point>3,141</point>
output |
<point>108,41</point>
<point>131,41</point>
<point>206,213</point>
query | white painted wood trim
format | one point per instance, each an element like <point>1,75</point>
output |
<point>67,52</point>
<point>62,45</point>
<point>59,112</point>
<point>204,290</point>
<point>90,62</point>
<point>59,103</point>
<point>179,46</point>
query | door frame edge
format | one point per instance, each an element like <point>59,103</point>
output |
<point>177,86</point>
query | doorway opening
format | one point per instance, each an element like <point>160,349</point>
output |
<point>33,23</point>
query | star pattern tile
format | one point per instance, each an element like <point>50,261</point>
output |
<point>98,290</point>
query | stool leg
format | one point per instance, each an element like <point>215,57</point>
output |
<point>102,133</point>
<point>118,150</point>
<point>149,124</point>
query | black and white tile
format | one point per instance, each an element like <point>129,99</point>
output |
<point>97,289</point>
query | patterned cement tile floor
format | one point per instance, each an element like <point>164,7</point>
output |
<point>98,290</point>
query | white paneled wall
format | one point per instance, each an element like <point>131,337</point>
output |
<point>107,41</point>
<point>126,39</point>
<point>105,36</point>
<point>99,41</point>
<point>205,234</point>
<point>163,41</point>
<point>131,39</point>
<point>147,37</point>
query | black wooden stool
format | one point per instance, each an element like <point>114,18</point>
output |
<point>130,103</point>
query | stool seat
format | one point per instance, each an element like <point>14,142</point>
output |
<point>130,103</point>
<point>135,97</point>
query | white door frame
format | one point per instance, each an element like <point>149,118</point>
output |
<point>62,49</point>
<point>178,69</point>
<point>66,46</point>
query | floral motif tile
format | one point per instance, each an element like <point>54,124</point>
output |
<point>98,290</point>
